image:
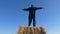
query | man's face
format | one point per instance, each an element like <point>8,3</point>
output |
<point>32,5</point>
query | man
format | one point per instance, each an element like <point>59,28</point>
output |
<point>32,11</point>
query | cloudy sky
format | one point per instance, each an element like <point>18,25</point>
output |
<point>12,16</point>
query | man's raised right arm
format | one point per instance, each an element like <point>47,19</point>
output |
<point>26,9</point>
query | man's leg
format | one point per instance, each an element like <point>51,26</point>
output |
<point>30,20</point>
<point>34,22</point>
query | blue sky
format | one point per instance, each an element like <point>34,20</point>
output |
<point>12,16</point>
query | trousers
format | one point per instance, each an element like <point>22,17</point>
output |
<point>30,18</point>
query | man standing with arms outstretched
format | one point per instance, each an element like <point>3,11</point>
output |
<point>32,11</point>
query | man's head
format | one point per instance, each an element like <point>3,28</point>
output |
<point>32,5</point>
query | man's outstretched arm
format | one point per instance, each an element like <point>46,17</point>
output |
<point>26,9</point>
<point>39,8</point>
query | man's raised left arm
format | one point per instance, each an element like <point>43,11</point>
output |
<point>39,8</point>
